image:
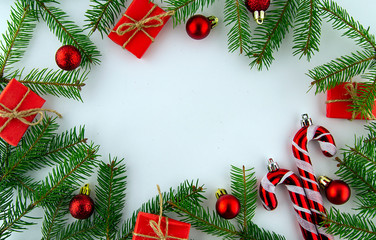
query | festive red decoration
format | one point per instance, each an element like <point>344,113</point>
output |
<point>258,7</point>
<point>147,228</point>
<point>340,98</point>
<point>227,205</point>
<point>336,191</point>
<point>139,26</point>
<point>17,97</point>
<point>68,57</point>
<point>307,133</point>
<point>304,216</point>
<point>199,26</point>
<point>82,206</point>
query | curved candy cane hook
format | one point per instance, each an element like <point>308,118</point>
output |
<point>307,133</point>
<point>293,184</point>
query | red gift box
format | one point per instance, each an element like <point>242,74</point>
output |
<point>17,97</point>
<point>147,228</point>
<point>339,101</point>
<point>138,27</point>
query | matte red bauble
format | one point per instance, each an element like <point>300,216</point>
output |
<point>199,26</point>
<point>258,8</point>
<point>68,57</point>
<point>336,191</point>
<point>82,206</point>
<point>227,205</point>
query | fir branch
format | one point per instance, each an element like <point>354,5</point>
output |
<point>103,15</point>
<point>69,33</point>
<point>187,191</point>
<point>110,196</point>
<point>239,35</point>
<point>55,82</point>
<point>18,36</point>
<point>365,101</point>
<point>307,29</point>
<point>68,175</point>
<point>14,220</point>
<point>33,143</point>
<point>6,200</point>
<point>243,185</point>
<point>202,220</point>
<point>341,20</point>
<point>267,38</point>
<point>54,218</point>
<point>79,230</point>
<point>186,8</point>
<point>255,232</point>
<point>60,183</point>
<point>340,70</point>
<point>357,169</point>
<point>350,226</point>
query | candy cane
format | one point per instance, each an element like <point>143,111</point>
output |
<point>298,197</point>
<point>307,133</point>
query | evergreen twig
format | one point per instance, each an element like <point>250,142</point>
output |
<point>307,29</point>
<point>55,82</point>
<point>110,195</point>
<point>103,15</point>
<point>239,36</point>
<point>186,8</point>
<point>17,38</point>
<point>267,37</point>
<point>68,33</point>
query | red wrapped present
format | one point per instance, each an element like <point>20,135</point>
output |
<point>147,228</point>
<point>139,26</point>
<point>340,99</point>
<point>16,98</point>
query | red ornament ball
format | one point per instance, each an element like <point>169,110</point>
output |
<point>257,5</point>
<point>337,192</point>
<point>81,206</point>
<point>68,57</point>
<point>227,206</point>
<point>198,27</point>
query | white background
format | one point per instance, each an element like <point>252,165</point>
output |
<point>189,109</point>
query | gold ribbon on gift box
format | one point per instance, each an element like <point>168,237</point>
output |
<point>11,114</point>
<point>157,226</point>
<point>142,24</point>
<point>352,89</point>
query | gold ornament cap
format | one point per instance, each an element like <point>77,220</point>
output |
<point>324,181</point>
<point>213,21</point>
<point>85,190</point>
<point>272,166</point>
<point>306,121</point>
<point>220,192</point>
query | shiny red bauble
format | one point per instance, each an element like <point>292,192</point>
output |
<point>257,5</point>
<point>337,192</point>
<point>68,57</point>
<point>227,206</point>
<point>198,27</point>
<point>81,206</point>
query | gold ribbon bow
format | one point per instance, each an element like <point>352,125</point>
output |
<point>11,114</point>
<point>142,24</point>
<point>157,226</point>
<point>352,90</point>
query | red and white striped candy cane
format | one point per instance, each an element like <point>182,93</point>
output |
<point>298,197</point>
<point>307,133</point>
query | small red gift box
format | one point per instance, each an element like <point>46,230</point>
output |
<point>146,228</point>
<point>138,27</point>
<point>17,97</point>
<point>339,101</point>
